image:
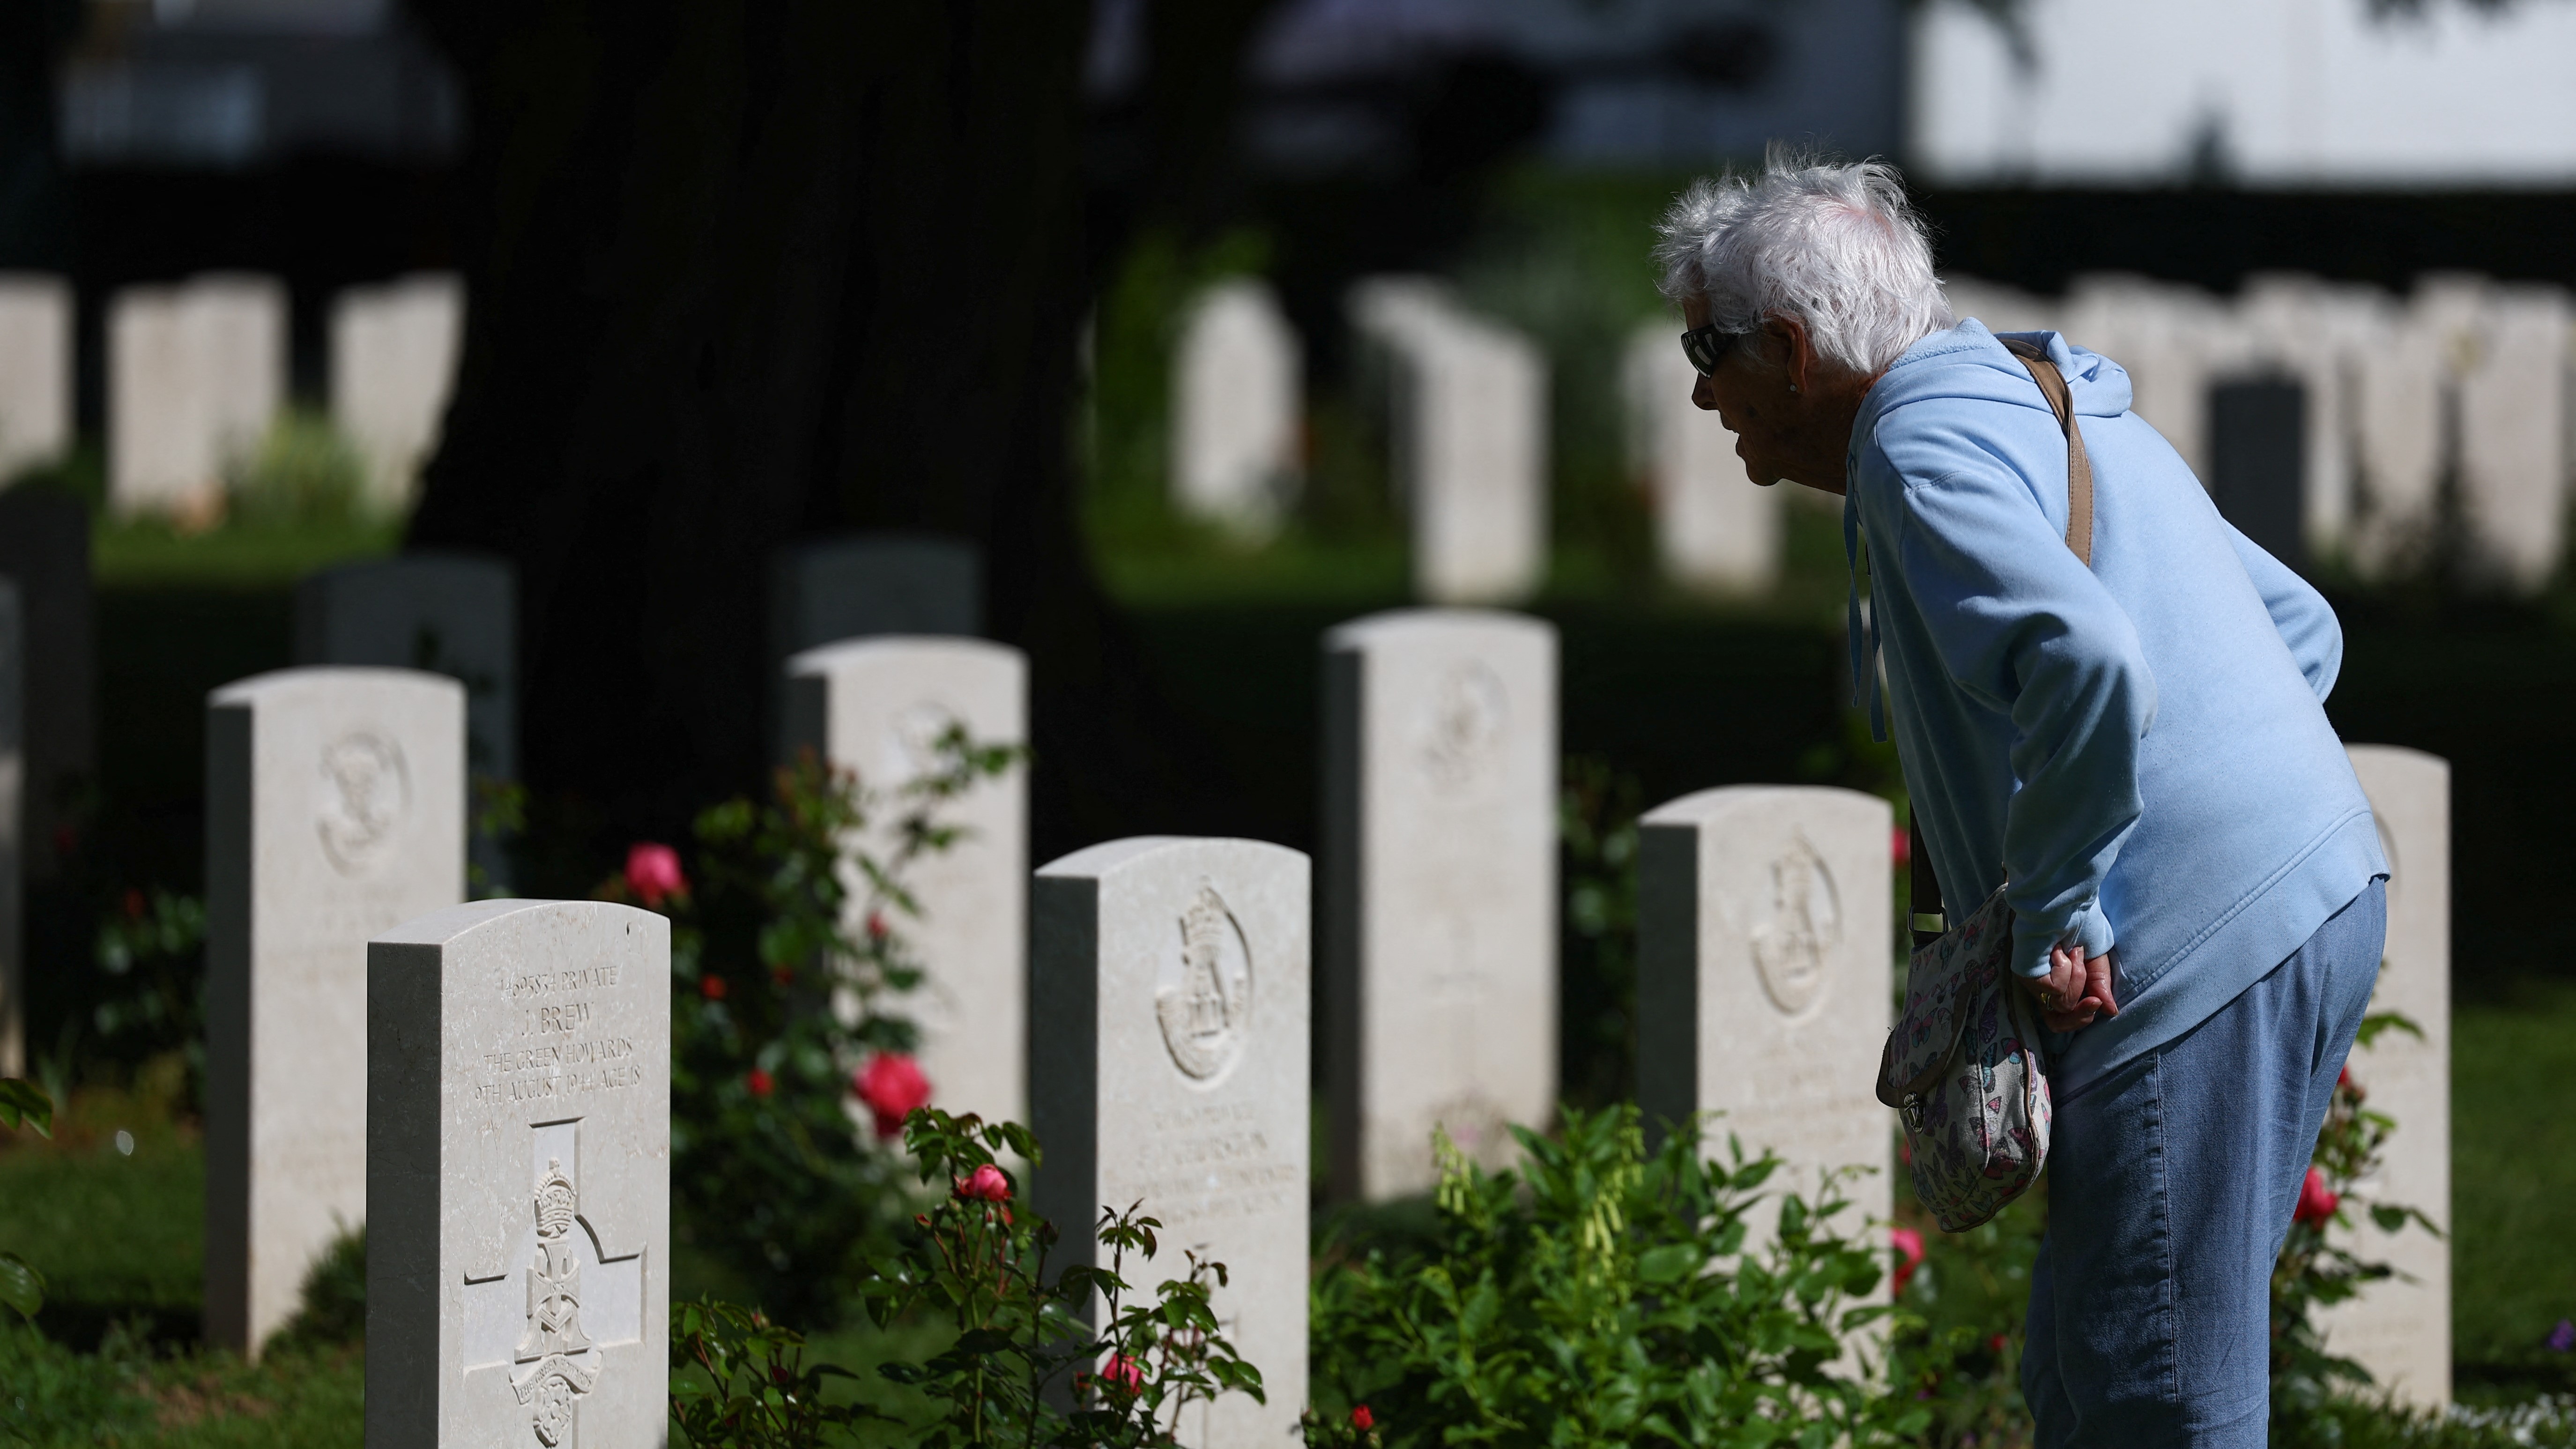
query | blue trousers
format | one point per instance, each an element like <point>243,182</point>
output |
<point>2170,1186</point>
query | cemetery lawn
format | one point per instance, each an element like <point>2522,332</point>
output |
<point>149,552</point>
<point>2513,1189</point>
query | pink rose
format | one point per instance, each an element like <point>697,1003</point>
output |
<point>1901,846</point>
<point>1124,1373</point>
<point>2316,1201</point>
<point>891,1085</point>
<point>653,872</point>
<point>1362,1419</point>
<point>1909,1243</point>
<point>711,987</point>
<point>985,1184</point>
<point>759,1081</point>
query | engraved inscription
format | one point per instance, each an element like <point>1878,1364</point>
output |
<point>553,1070</point>
<point>1203,995</point>
<point>516,984</point>
<point>1462,729</point>
<point>1210,1163</point>
<point>366,793</point>
<point>552,1390</point>
<point>1789,951</point>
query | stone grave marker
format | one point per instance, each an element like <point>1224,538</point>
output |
<point>2512,399</point>
<point>518,1151</point>
<point>1172,975</point>
<point>1714,529</point>
<point>2400,1328</point>
<point>2166,338</point>
<point>2000,308</point>
<point>44,550</point>
<point>2399,373</point>
<point>447,613</point>
<point>35,371</point>
<point>879,706</point>
<point>393,361</point>
<point>2258,465</point>
<point>335,809</point>
<point>1439,890</point>
<point>1237,413</point>
<point>196,373</point>
<point>2315,331</point>
<point>1469,424</point>
<point>13,839</point>
<point>1764,960</point>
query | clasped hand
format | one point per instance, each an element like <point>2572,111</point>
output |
<point>2074,991</point>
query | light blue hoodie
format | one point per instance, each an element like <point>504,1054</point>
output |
<point>2140,747</point>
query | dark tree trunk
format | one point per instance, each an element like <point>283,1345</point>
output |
<point>747,270</point>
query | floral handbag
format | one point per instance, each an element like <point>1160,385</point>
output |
<point>1964,1069</point>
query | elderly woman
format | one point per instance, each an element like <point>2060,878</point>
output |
<point>2135,751</point>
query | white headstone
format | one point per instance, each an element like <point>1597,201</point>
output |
<point>2400,1328</point>
<point>13,832</point>
<point>196,373</point>
<point>518,1149</point>
<point>1715,531</point>
<point>1237,411</point>
<point>1765,952</point>
<point>879,706</point>
<point>1439,890</point>
<point>35,371</point>
<point>2399,374</point>
<point>1470,424</point>
<point>393,361</point>
<point>335,809</point>
<point>1172,977</point>
<point>2512,391</point>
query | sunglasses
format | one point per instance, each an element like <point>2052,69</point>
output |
<point>1706,347</point>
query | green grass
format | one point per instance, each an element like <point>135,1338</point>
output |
<point>2513,1185</point>
<point>148,552</point>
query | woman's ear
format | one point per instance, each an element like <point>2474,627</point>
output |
<point>1796,353</point>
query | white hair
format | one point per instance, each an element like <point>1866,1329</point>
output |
<point>1832,244</point>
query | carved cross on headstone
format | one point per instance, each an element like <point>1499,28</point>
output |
<point>554,1387</point>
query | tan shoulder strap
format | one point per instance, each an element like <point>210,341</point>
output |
<point>2079,469</point>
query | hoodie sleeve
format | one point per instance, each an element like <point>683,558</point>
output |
<point>2023,626</point>
<point>2305,620</point>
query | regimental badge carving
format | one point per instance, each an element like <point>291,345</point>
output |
<point>915,733</point>
<point>1203,997</point>
<point>366,792</point>
<point>1806,925</point>
<point>1463,726</point>
<point>552,1390</point>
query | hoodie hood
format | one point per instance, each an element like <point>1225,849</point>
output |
<point>1967,362</point>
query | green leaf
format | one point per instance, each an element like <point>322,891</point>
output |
<point>25,1102</point>
<point>21,1286</point>
<point>1668,1264</point>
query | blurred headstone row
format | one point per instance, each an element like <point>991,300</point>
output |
<point>196,374</point>
<point>2331,423</point>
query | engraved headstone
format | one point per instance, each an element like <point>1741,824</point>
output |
<point>1237,381</point>
<point>196,373</point>
<point>447,613</point>
<point>1764,957</point>
<point>880,707</point>
<point>335,809</point>
<point>1439,889</point>
<point>518,1121</point>
<point>2400,1328</point>
<point>1172,977</point>
<point>1469,423</point>
<point>35,371</point>
<point>13,815</point>
<point>44,550</point>
<point>2316,332</point>
<point>2258,463</point>
<point>393,361</point>
<point>1715,531</point>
